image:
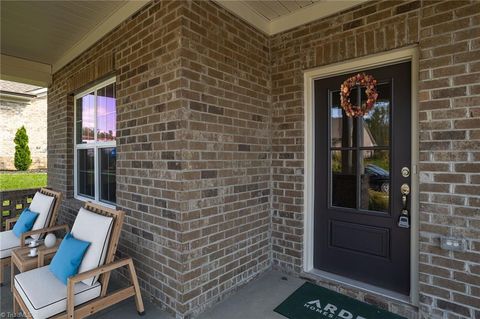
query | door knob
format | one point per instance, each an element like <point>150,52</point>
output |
<point>404,219</point>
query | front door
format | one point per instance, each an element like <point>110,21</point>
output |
<point>358,180</point>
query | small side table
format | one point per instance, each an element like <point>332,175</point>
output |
<point>23,262</point>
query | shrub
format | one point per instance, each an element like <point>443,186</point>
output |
<point>378,201</point>
<point>23,160</point>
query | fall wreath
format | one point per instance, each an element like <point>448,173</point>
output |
<point>363,80</point>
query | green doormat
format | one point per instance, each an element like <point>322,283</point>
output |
<point>315,302</point>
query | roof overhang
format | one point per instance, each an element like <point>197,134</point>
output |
<point>25,71</point>
<point>315,11</point>
<point>99,32</point>
<point>18,69</point>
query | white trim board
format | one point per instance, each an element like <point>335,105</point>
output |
<point>373,61</point>
<point>289,21</point>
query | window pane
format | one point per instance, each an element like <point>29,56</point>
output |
<point>375,180</point>
<point>343,128</point>
<point>106,113</point>
<point>376,124</point>
<point>86,173</point>
<point>344,179</point>
<point>108,160</point>
<point>85,119</point>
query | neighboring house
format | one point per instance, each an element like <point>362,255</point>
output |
<point>205,130</point>
<point>23,104</point>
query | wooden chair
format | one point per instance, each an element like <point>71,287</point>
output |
<point>104,300</point>
<point>50,222</point>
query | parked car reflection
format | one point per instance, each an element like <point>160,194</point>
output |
<point>379,179</point>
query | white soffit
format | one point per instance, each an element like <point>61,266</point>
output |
<point>25,71</point>
<point>110,23</point>
<point>44,36</point>
<point>275,16</point>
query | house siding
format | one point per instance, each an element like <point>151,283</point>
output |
<point>210,147</point>
<point>33,115</point>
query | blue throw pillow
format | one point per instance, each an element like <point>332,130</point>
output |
<point>68,258</point>
<point>25,222</point>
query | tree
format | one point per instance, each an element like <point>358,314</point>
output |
<point>378,124</point>
<point>23,160</point>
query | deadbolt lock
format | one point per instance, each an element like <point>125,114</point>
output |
<point>405,171</point>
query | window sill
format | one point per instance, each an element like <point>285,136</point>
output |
<point>86,199</point>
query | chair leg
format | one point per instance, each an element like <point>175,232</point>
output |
<point>136,286</point>
<point>12,274</point>
<point>1,272</point>
<point>15,305</point>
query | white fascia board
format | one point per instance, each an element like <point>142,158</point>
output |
<point>25,71</point>
<point>123,13</point>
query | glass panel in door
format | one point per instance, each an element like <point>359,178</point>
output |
<point>360,153</point>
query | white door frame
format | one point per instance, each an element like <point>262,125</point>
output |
<point>373,61</point>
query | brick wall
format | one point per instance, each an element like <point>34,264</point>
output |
<point>193,147</point>
<point>143,53</point>
<point>448,35</point>
<point>227,159</point>
<point>33,115</point>
<point>210,140</point>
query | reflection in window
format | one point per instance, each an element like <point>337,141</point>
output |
<point>376,124</point>
<point>362,141</point>
<point>343,128</point>
<point>85,118</point>
<point>106,113</point>
<point>344,178</point>
<point>108,159</point>
<point>86,172</point>
<point>375,180</point>
<point>95,147</point>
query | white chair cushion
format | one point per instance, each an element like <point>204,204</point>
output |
<point>95,229</point>
<point>8,242</point>
<point>43,205</point>
<point>45,295</point>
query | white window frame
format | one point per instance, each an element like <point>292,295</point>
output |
<point>95,146</point>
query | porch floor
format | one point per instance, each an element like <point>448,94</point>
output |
<point>255,300</point>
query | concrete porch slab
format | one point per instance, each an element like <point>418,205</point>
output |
<point>256,300</point>
<point>122,310</point>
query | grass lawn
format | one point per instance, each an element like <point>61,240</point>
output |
<point>22,180</point>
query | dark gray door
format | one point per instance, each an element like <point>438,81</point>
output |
<point>358,165</point>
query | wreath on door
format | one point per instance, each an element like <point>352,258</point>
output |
<point>363,80</point>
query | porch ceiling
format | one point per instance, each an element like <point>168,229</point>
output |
<point>275,16</point>
<point>43,36</point>
<point>40,37</point>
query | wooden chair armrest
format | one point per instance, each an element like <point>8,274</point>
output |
<point>100,270</point>
<point>91,273</point>
<point>9,222</point>
<point>41,231</point>
<point>42,255</point>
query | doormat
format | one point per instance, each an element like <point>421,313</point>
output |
<point>314,302</point>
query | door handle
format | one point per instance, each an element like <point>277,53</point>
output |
<point>404,219</point>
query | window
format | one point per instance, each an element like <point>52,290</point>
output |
<point>95,143</point>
